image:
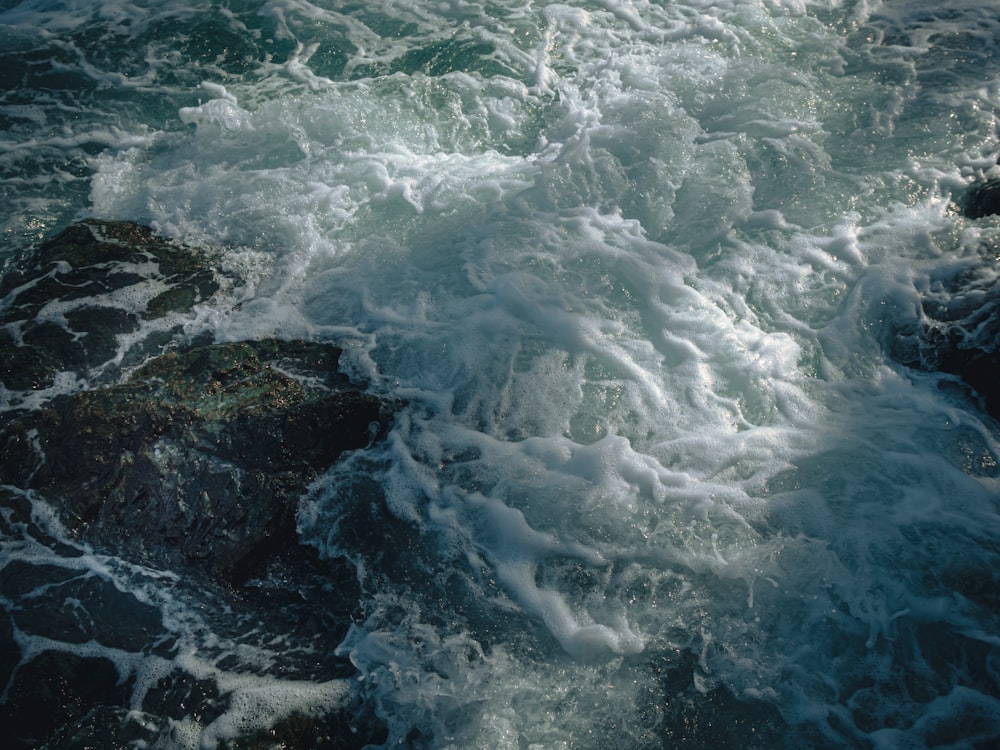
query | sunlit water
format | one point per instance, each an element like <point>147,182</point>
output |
<point>638,269</point>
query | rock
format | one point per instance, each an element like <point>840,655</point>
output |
<point>982,200</point>
<point>197,460</point>
<point>180,696</point>
<point>700,716</point>
<point>330,732</point>
<point>978,367</point>
<point>10,655</point>
<point>65,307</point>
<point>101,613</point>
<point>105,727</point>
<point>959,334</point>
<point>187,457</point>
<point>54,689</point>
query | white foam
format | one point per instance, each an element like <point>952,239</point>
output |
<point>255,704</point>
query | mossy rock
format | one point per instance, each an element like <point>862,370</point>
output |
<point>182,456</point>
<point>198,459</point>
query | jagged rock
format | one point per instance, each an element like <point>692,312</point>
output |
<point>982,200</point>
<point>696,717</point>
<point>104,727</point>
<point>102,614</point>
<point>331,732</point>
<point>64,308</point>
<point>9,652</point>
<point>185,457</point>
<point>54,689</point>
<point>197,460</point>
<point>979,367</point>
<point>959,334</point>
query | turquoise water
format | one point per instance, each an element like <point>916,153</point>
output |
<point>638,269</point>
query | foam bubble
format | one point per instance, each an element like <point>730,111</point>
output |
<point>256,704</point>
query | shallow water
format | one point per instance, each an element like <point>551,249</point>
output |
<point>639,270</point>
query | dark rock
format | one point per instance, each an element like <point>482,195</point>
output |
<point>982,200</point>
<point>64,307</point>
<point>959,334</point>
<point>309,600</point>
<point>981,370</point>
<point>105,727</point>
<point>334,731</point>
<point>19,521</point>
<point>10,654</point>
<point>197,461</point>
<point>693,718</point>
<point>180,696</point>
<point>54,689</point>
<point>66,605</point>
<point>187,457</point>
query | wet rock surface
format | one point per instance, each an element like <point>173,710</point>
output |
<point>63,308</point>
<point>196,461</point>
<point>110,617</point>
<point>957,330</point>
<point>184,458</point>
<point>56,689</point>
<point>982,200</point>
<point>959,334</point>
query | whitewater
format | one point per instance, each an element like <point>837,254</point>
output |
<point>642,273</point>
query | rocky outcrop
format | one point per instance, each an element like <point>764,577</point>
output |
<point>958,330</point>
<point>67,306</point>
<point>187,457</point>
<point>197,460</point>
<point>982,200</point>
<point>958,334</point>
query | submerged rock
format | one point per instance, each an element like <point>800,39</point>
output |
<point>196,459</point>
<point>958,334</point>
<point>65,308</point>
<point>695,715</point>
<point>982,200</point>
<point>111,618</point>
<point>54,689</point>
<point>959,329</point>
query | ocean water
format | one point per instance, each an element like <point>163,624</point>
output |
<point>640,271</point>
